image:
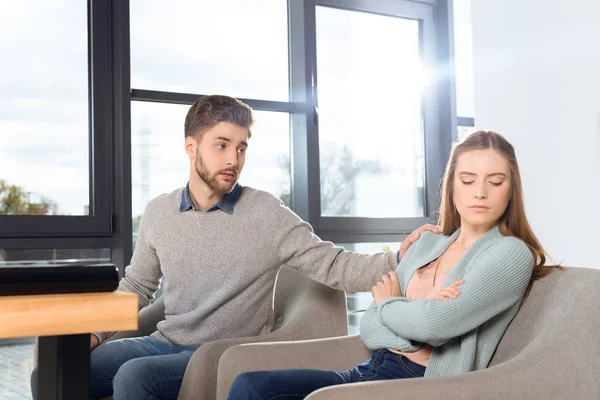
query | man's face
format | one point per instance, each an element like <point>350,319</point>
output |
<point>220,156</point>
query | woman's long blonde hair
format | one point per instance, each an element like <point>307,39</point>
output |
<point>513,222</point>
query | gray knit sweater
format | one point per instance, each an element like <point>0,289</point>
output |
<point>219,269</point>
<point>464,331</point>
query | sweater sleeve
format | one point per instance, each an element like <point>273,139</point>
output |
<point>496,282</point>
<point>376,335</point>
<point>142,276</point>
<point>299,248</point>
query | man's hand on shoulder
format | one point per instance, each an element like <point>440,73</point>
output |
<point>414,236</point>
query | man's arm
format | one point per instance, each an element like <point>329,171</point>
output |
<point>497,282</point>
<point>299,248</point>
<point>143,275</point>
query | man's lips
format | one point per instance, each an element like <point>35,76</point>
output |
<point>229,174</point>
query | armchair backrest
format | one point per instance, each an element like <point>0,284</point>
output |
<point>298,297</point>
<point>303,309</point>
<point>561,309</point>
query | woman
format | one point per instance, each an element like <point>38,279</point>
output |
<point>447,305</point>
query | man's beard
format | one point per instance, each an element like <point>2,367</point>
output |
<point>212,181</point>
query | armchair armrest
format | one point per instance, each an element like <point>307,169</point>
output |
<point>335,354</point>
<point>200,380</point>
<point>546,374</point>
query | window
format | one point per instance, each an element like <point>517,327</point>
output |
<point>382,147</point>
<point>370,119</point>
<point>55,122</point>
<point>44,135</point>
<point>233,47</point>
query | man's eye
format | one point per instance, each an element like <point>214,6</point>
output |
<point>242,151</point>
<point>220,146</point>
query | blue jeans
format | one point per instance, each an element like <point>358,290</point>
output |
<point>298,383</point>
<point>137,368</point>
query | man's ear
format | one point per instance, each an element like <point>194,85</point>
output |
<point>191,146</point>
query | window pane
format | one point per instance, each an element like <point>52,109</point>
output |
<point>53,256</point>
<point>160,164</point>
<point>44,135</point>
<point>463,50</point>
<point>236,47</point>
<point>370,124</point>
<point>360,301</point>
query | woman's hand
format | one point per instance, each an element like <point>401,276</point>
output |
<point>443,294</point>
<point>388,286</point>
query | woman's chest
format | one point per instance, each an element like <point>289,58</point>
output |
<point>432,276</point>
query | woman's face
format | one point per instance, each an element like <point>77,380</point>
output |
<point>482,187</point>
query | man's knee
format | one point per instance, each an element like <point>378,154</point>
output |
<point>132,376</point>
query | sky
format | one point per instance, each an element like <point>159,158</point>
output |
<point>369,77</point>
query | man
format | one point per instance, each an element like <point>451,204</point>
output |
<point>218,247</point>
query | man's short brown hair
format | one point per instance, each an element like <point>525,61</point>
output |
<point>208,111</point>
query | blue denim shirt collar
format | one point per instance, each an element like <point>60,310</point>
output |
<point>226,204</point>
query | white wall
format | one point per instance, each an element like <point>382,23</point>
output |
<point>537,82</point>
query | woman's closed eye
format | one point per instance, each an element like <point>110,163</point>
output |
<point>471,182</point>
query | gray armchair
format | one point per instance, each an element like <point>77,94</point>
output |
<point>551,350</point>
<point>303,309</point>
